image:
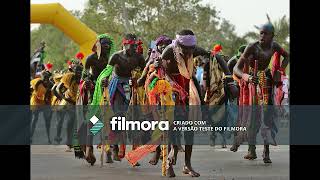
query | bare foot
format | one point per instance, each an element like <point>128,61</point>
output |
<point>234,148</point>
<point>251,156</point>
<point>266,158</point>
<point>90,156</point>
<point>154,160</point>
<point>190,171</point>
<point>91,160</point>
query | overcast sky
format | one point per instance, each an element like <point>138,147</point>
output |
<point>244,14</point>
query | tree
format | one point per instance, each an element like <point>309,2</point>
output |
<point>151,18</point>
<point>146,18</point>
<point>230,41</point>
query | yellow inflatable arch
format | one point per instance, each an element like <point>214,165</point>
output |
<point>58,16</point>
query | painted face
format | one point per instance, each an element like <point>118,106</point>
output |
<point>105,44</point>
<point>265,36</point>
<point>187,51</point>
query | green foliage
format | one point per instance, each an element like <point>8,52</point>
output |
<point>151,18</point>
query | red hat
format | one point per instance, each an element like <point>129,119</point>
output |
<point>49,66</point>
<point>216,49</point>
<point>79,55</point>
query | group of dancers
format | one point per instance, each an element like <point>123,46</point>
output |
<point>168,76</point>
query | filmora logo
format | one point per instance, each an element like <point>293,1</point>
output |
<point>97,125</point>
<point>120,123</point>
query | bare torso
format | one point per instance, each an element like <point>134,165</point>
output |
<point>124,64</point>
<point>97,65</point>
<point>263,56</point>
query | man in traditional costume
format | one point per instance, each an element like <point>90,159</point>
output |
<point>216,97</point>
<point>94,65</point>
<point>233,102</point>
<point>177,60</point>
<point>176,67</point>
<point>99,98</point>
<point>149,78</point>
<point>256,82</point>
<point>122,64</point>
<point>56,100</point>
<point>67,89</point>
<point>41,100</point>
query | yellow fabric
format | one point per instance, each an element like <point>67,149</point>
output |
<point>164,89</point>
<point>55,101</point>
<point>140,95</point>
<point>71,85</point>
<point>38,94</point>
<point>164,160</point>
<point>66,79</point>
<point>57,78</point>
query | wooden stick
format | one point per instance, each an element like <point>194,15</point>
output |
<point>103,146</point>
<point>164,147</point>
<point>164,160</point>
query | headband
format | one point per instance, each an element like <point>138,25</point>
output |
<point>131,41</point>
<point>186,40</point>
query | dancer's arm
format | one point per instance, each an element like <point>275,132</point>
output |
<point>244,58</point>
